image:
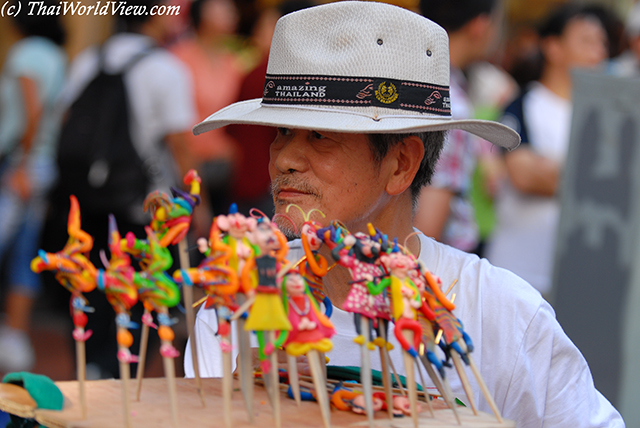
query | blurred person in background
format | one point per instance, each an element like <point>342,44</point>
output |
<point>216,70</point>
<point>445,211</point>
<point>528,208</point>
<point>628,63</point>
<point>160,113</point>
<point>251,185</point>
<point>31,79</point>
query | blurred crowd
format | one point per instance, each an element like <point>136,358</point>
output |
<point>179,69</point>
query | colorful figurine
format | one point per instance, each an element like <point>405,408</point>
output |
<point>455,341</point>
<point>117,282</point>
<point>405,300</point>
<point>359,254</point>
<point>78,275</point>
<point>171,218</point>
<point>266,313</point>
<point>314,266</point>
<point>158,292</point>
<point>230,234</point>
<point>220,283</point>
<point>310,335</point>
<point>426,319</point>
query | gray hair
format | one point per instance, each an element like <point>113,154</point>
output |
<point>433,142</point>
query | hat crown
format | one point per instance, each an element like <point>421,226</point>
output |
<point>360,39</point>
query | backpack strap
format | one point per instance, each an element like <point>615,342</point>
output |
<point>129,64</point>
<point>514,117</point>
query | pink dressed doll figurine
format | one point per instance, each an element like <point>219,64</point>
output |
<point>310,335</point>
<point>311,329</point>
<point>359,253</point>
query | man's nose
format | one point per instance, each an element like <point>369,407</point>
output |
<point>289,155</point>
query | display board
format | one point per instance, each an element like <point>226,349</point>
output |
<point>596,272</point>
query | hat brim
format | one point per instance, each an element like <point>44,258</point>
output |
<point>252,112</point>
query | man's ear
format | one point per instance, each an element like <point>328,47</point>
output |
<point>552,51</point>
<point>406,159</point>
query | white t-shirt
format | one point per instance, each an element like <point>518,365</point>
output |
<point>535,373</point>
<point>524,238</point>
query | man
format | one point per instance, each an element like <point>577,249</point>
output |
<point>359,93</point>
<point>528,209</point>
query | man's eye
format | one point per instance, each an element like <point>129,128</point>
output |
<point>317,135</point>
<point>284,131</point>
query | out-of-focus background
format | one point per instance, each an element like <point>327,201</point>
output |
<point>212,53</point>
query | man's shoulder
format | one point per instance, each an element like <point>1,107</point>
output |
<point>477,282</point>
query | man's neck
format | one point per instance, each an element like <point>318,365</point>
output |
<point>460,55</point>
<point>395,220</point>
<point>558,81</point>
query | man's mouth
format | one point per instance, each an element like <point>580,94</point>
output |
<point>288,189</point>
<point>290,193</point>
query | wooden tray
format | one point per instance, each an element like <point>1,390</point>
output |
<point>105,410</point>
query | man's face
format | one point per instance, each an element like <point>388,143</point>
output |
<point>333,172</point>
<point>583,43</point>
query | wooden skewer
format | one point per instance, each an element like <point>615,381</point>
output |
<point>484,389</point>
<point>124,378</point>
<point>310,385</point>
<point>443,387</point>
<point>243,308</point>
<point>424,392</point>
<point>411,381</point>
<point>81,370</point>
<point>142,356</point>
<point>245,371</point>
<point>386,375</point>
<point>318,380</point>
<point>365,370</point>
<point>187,294</point>
<point>438,336</point>
<point>451,287</point>
<point>170,374</point>
<point>397,378</point>
<point>200,301</point>
<point>273,390</point>
<point>457,362</point>
<point>323,364</point>
<point>386,382</point>
<point>227,386</point>
<point>294,379</point>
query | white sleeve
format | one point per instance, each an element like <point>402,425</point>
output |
<point>208,346</point>
<point>175,98</point>
<point>551,384</point>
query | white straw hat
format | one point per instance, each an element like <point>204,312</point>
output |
<point>361,67</point>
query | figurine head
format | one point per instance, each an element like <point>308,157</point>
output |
<point>294,284</point>
<point>310,231</point>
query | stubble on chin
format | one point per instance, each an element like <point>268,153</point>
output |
<point>290,223</point>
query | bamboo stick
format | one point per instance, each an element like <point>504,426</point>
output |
<point>318,380</point>
<point>187,294</point>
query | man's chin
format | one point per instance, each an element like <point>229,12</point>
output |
<point>287,228</point>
